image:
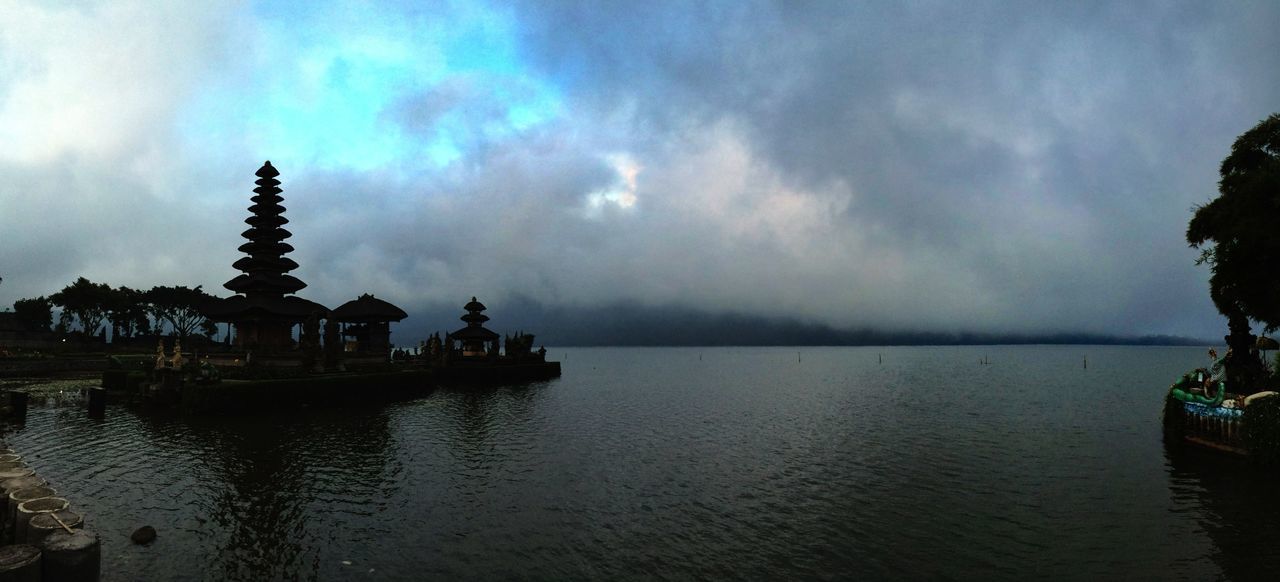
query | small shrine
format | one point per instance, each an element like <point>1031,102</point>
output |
<point>367,321</point>
<point>265,310</point>
<point>475,339</point>
<point>474,355</point>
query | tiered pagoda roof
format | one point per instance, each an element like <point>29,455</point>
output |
<point>475,329</point>
<point>264,283</point>
<point>266,266</point>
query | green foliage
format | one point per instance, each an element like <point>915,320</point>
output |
<point>128,312</point>
<point>1238,233</point>
<point>1262,429</point>
<point>180,307</point>
<point>34,314</point>
<point>89,302</point>
<point>208,329</point>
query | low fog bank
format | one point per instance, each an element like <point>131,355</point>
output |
<point>631,324</point>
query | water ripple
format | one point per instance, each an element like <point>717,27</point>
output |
<point>655,464</point>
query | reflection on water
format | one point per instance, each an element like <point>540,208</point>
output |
<point>232,498</point>
<point>1236,507</point>
<point>686,463</point>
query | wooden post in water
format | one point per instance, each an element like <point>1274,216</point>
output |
<point>18,402</point>
<point>97,402</point>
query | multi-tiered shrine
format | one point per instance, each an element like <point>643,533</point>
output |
<point>265,310</point>
<point>473,354</point>
<point>476,339</point>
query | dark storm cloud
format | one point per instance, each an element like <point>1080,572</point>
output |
<point>1051,151</point>
<point>984,167</point>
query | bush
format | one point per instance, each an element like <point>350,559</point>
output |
<point>1262,429</point>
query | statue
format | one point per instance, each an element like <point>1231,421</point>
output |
<point>161,361</point>
<point>1245,373</point>
<point>520,345</point>
<point>433,348</point>
<point>310,343</point>
<point>332,346</point>
<point>177,361</point>
<point>208,373</point>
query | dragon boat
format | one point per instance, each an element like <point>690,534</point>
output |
<point>1198,410</point>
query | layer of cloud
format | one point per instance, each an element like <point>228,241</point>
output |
<point>908,166</point>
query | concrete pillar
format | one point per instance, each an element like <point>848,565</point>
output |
<point>10,485</point>
<point>20,563</point>
<point>44,524</point>
<point>18,496</point>
<point>7,474</point>
<point>7,487</point>
<point>73,557</point>
<point>11,461</point>
<point>28,509</point>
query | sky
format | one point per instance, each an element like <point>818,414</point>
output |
<point>1020,167</point>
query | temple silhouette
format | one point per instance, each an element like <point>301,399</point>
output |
<point>264,311</point>
<point>474,339</point>
<point>367,321</point>
<point>266,314</point>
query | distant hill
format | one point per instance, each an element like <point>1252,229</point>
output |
<point>628,324</point>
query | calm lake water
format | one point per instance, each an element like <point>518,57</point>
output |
<point>688,463</point>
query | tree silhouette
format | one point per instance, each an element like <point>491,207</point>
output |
<point>180,307</point>
<point>34,314</point>
<point>128,312</point>
<point>1238,234</point>
<point>89,302</point>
